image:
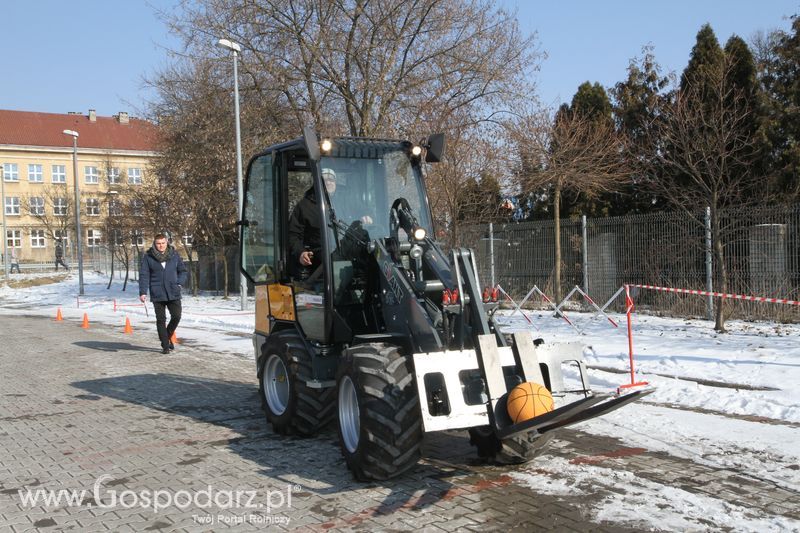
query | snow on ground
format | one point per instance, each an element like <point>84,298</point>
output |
<point>690,415</point>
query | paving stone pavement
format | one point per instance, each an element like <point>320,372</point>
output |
<point>178,443</point>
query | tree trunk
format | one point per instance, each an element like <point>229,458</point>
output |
<point>111,277</point>
<point>557,228</point>
<point>722,271</point>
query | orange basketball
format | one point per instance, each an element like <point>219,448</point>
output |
<point>528,400</point>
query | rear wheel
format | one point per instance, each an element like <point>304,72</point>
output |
<point>291,406</point>
<point>380,426</point>
<point>513,450</point>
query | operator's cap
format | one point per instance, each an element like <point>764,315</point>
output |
<point>328,174</point>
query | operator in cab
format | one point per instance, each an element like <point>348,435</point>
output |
<point>305,241</point>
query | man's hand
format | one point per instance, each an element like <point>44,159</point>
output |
<point>366,219</point>
<point>306,258</point>
<point>143,298</point>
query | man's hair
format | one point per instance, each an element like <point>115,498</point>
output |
<point>159,236</point>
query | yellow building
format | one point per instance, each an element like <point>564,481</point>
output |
<point>36,161</point>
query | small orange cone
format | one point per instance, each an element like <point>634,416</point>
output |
<point>59,318</point>
<point>85,324</point>
<point>128,328</point>
<point>174,338</point>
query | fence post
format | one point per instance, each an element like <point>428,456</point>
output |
<point>585,250</point>
<point>491,252</point>
<point>709,268</point>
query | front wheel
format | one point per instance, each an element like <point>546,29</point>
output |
<point>291,406</point>
<point>380,426</point>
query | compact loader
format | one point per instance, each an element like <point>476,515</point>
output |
<point>386,332</point>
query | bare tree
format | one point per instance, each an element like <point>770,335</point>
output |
<point>707,147</point>
<point>366,67</point>
<point>465,187</point>
<point>53,208</point>
<point>566,153</point>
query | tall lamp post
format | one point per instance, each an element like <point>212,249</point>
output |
<point>5,230</point>
<point>79,244</point>
<point>235,48</point>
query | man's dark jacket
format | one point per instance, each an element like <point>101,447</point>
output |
<point>163,282</point>
<point>304,229</point>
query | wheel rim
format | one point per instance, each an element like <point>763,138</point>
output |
<point>276,385</point>
<point>349,422</point>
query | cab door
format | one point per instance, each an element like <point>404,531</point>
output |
<point>260,242</point>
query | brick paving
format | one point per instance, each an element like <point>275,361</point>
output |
<point>81,409</point>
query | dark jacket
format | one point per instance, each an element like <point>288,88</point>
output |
<point>304,229</point>
<point>163,282</point>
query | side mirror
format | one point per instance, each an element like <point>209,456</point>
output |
<point>312,143</point>
<point>435,148</point>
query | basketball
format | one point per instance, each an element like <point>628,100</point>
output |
<point>528,400</point>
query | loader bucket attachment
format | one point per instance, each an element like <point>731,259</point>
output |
<point>440,379</point>
<point>584,409</point>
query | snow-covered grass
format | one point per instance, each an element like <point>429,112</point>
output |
<point>710,389</point>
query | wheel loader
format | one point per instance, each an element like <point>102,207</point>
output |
<point>385,331</point>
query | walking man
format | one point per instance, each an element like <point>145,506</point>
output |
<point>162,272</point>
<point>60,255</point>
<point>15,261</point>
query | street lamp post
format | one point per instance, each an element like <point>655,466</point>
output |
<point>5,230</point>
<point>235,48</point>
<point>79,245</point>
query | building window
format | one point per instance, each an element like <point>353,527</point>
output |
<point>137,237</point>
<point>92,207</point>
<point>14,238</point>
<point>117,238</point>
<point>135,176</point>
<point>59,174</point>
<point>137,207</point>
<point>63,236</point>
<point>60,207</point>
<point>93,237</point>
<point>12,205</point>
<point>187,239</point>
<point>114,208</point>
<point>113,176</point>
<point>10,172</point>
<point>90,175</point>
<point>36,205</point>
<point>37,238</point>
<point>35,174</point>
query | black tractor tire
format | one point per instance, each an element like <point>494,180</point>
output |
<point>380,424</point>
<point>291,406</point>
<point>518,449</point>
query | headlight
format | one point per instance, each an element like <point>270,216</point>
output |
<point>419,234</point>
<point>326,145</point>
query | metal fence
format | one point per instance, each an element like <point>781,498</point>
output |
<point>208,267</point>
<point>761,249</point>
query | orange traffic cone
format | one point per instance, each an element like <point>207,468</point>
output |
<point>59,318</point>
<point>128,328</point>
<point>85,324</point>
<point>174,338</point>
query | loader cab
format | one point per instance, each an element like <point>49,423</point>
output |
<point>346,186</point>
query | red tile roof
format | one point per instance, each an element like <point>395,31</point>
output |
<point>30,128</point>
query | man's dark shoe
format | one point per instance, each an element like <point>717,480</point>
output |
<point>171,346</point>
<point>165,351</point>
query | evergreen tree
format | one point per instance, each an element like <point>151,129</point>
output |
<point>781,79</point>
<point>638,105</point>
<point>591,102</point>
<point>743,92</point>
<point>707,58</point>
